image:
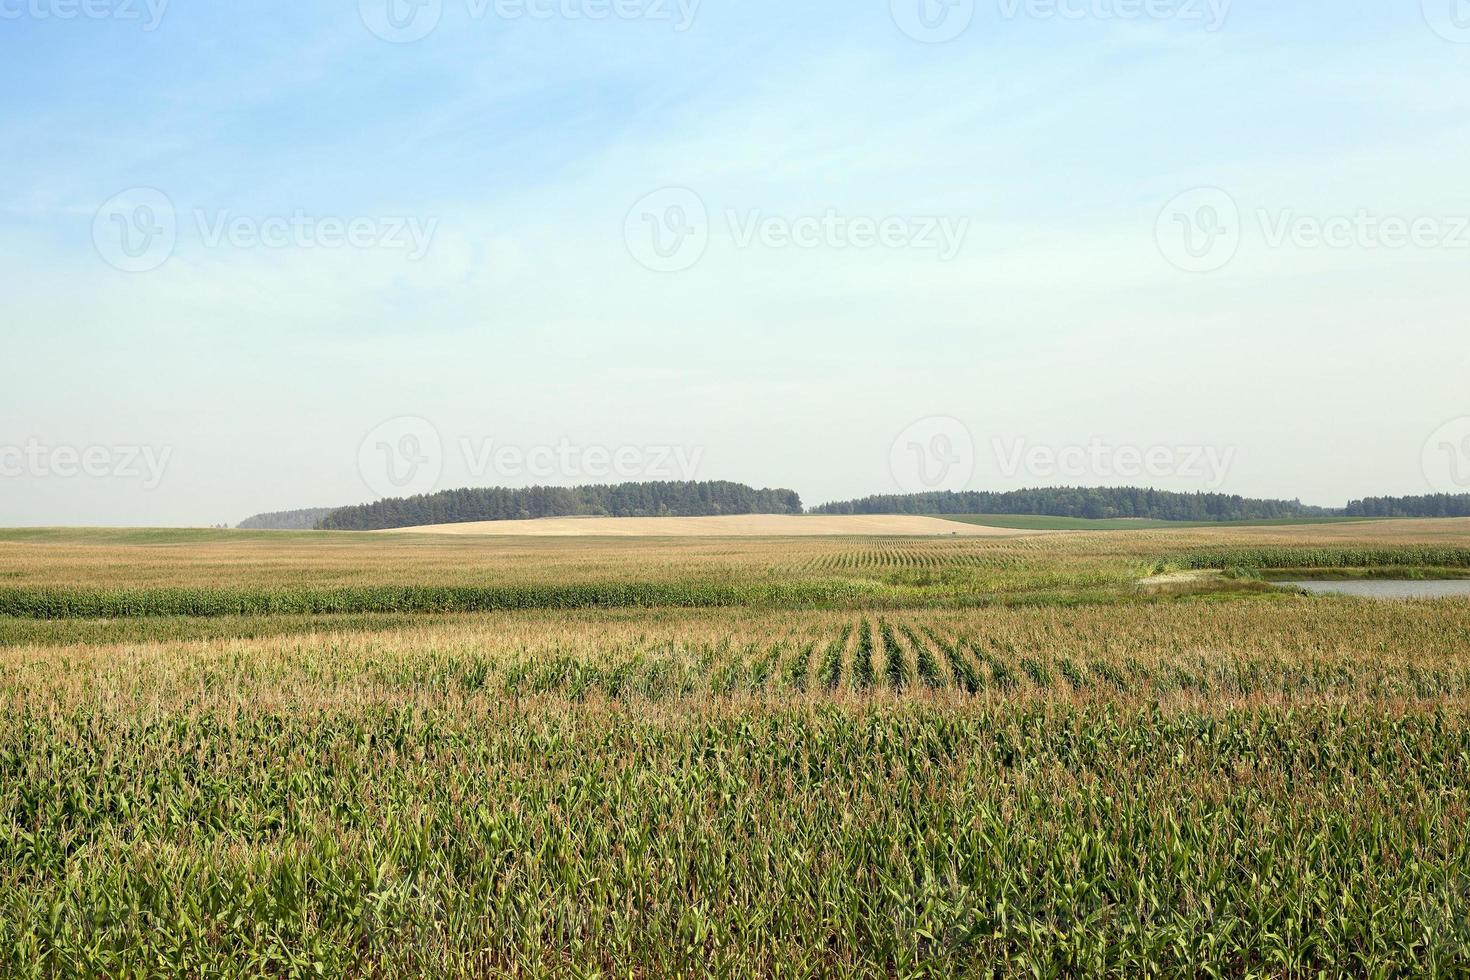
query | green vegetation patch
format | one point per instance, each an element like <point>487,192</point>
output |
<point>384,823</point>
<point>1398,558</point>
<point>50,603</point>
<point>25,631</point>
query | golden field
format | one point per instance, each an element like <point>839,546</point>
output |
<point>742,526</point>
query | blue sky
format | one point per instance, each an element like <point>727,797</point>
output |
<point>531,151</point>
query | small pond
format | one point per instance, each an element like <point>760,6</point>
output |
<point>1386,588</point>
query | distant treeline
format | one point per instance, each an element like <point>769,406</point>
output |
<point>287,520</point>
<point>1436,505</point>
<point>1095,503</point>
<point>623,500</point>
<point>714,498</point>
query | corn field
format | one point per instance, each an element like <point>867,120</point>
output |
<point>1239,784</point>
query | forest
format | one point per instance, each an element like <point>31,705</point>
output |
<point>1136,502</point>
<point>715,498</point>
<point>660,499</point>
<point>1435,505</point>
<point>286,520</point>
<point>1093,503</point>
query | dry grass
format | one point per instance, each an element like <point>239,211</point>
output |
<point>742,526</point>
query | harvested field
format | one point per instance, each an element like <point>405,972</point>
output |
<point>742,526</point>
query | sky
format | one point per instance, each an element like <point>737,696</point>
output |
<point>264,256</point>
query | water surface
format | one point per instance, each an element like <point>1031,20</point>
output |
<point>1387,588</point>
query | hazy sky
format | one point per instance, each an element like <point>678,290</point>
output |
<point>269,255</point>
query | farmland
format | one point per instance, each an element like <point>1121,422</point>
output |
<point>1023,522</point>
<point>743,525</point>
<point>780,757</point>
<point>129,573</point>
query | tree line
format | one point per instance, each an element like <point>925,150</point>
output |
<point>1434,505</point>
<point>286,520</point>
<point>1096,503</point>
<point>661,499</point>
<point>714,498</point>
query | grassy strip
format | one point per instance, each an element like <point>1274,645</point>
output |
<point>1322,558</point>
<point>47,603</point>
<point>64,604</point>
<point>16,631</point>
<point>1413,573</point>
